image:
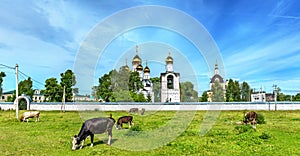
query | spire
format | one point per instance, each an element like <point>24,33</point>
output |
<point>216,68</point>
<point>136,49</point>
<point>146,69</point>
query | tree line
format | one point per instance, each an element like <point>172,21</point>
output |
<point>123,86</point>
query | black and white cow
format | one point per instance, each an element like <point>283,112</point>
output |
<point>91,127</point>
<point>251,117</point>
<point>124,119</point>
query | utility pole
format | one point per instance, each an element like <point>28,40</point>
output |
<point>62,109</point>
<point>17,92</point>
<point>275,96</point>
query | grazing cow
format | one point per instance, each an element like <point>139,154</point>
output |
<point>133,110</point>
<point>143,111</point>
<point>252,118</point>
<point>91,127</point>
<point>27,115</point>
<point>124,119</point>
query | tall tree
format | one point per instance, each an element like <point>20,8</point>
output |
<point>105,88</point>
<point>187,92</point>
<point>204,97</point>
<point>245,92</point>
<point>68,80</point>
<point>135,83</point>
<point>156,88</point>
<point>2,74</point>
<point>217,92</point>
<point>25,87</point>
<point>53,91</point>
<point>237,91</point>
<point>94,92</point>
<point>230,91</point>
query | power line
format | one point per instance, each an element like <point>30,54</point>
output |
<point>23,74</point>
<point>7,66</point>
<point>31,78</point>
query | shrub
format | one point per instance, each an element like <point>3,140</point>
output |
<point>260,119</point>
<point>136,128</point>
<point>243,128</point>
<point>265,136</point>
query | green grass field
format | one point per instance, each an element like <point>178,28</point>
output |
<point>52,135</point>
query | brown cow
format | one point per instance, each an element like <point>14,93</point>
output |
<point>124,119</point>
<point>252,118</point>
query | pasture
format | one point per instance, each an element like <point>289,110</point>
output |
<point>52,135</point>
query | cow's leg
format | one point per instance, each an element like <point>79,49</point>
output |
<point>129,124</point>
<point>81,144</point>
<point>109,136</point>
<point>254,124</point>
<point>92,140</point>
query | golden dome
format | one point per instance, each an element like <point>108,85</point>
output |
<point>136,59</point>
<point>169,59</point>
<point>146,69</point>
<point>139,67</point>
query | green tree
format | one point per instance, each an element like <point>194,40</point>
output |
<point>236,91</point>
<point>138,97</point>
<point>187,92</point>
<point>94,92</point>
<point>217,92</point>
<point>135,83</point>
<point>123,95</point>
<point>2,74</point>
<point>296,97</point>
<point>230,91</point>
<point>204,97</point>
<point>245,91</point>
<point>156,88</point>
<point>68,80</point>
<point>25,87</point>
<point>105,89</point>
<point>53,91</point>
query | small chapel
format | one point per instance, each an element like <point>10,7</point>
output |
<point>169,82</point>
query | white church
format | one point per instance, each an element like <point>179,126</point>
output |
<point>169,80</point>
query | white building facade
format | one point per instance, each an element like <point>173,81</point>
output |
<point>170,83</point>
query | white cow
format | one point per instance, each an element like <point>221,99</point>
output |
<point>27,115</point>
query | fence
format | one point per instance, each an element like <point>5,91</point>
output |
<point>125,106</point>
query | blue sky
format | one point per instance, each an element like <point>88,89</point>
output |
<point>258,42</point>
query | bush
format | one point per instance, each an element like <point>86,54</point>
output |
<point>136,128</point>
<point>243,128</point>
<point>260,119</point>
<point>265,136</point>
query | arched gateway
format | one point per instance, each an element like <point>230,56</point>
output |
<point>23,96</point>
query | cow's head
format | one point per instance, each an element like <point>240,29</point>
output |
<point>75,142</point>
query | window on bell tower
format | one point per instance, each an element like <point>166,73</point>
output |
<point>170,82</point>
